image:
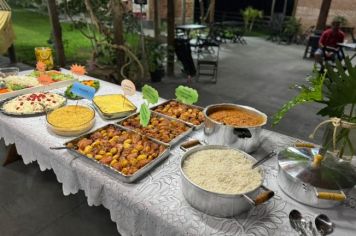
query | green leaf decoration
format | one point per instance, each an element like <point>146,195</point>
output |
<point>150,94</point>
<point>186,95</point>
<point>145,115</point>
<point>340,90</point>
<point>311,93</point>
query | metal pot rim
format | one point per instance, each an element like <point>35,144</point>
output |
<point>236,106</point>
<point>205,147</point>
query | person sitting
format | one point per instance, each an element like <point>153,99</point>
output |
<point>328,44</point>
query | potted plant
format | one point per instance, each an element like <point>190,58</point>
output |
<point>291,30</point>
<point>155,53</point>
<point>337,93</point>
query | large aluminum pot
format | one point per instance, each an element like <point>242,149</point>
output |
<point>323,186</point>
<point>246,138</point>
<point>217,204</point>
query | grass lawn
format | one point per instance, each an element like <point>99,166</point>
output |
<point>33,30</point>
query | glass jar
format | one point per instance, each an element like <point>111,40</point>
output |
<point>342,143</point>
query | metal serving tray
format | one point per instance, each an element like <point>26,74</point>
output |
<point>173,141</point>
<point>112,171</point>
<point>195,127</point>
<point>117,115</point>
<point>3,102</point>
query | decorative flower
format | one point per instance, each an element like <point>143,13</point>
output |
<point>78,69</point>
<point>41,66</point>
<point>45,79</point>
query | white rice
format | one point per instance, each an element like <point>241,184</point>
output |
<point>222,171</point>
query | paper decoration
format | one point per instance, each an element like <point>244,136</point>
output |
<point>145,115</point>
<point>129,87</point>
<point>150,94</point>
<point>82,90</point>
<point>186,95</point>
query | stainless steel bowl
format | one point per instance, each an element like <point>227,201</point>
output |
<point>218,204</point>
<point>246,138</point>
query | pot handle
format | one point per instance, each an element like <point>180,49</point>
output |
<point>261,198</point>
<point>331,196</point>
<point>189,144</point>
<point>304,144</point>
<point>242,133</point>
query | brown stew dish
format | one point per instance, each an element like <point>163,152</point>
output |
<point>237,117</point>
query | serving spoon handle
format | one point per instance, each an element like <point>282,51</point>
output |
<point>263,160</point>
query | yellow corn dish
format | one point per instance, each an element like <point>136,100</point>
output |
<point>71,117</point>
<point>71,120</point>
<point>113,103</point>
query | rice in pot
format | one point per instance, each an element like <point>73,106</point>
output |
<point>222,171</point>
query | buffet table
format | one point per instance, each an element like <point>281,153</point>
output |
<point>155,205</point>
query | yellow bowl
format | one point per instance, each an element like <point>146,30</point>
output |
<point>71,120</point>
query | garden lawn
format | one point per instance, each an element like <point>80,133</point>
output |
<point>33,29</point>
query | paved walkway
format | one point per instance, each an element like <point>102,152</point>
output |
<point>257,74</point>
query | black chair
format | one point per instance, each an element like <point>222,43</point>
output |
<point>335,54</point>
<point>312,46</point>
<point>208,59</point>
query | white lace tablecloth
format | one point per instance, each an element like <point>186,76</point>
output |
<point>155,205</point>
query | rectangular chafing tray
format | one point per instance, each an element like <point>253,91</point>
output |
<point>117,115</point>
<point>173,141</point>
<point>195,127</point>
<point>113,172</point>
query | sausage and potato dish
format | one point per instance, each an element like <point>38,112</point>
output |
<point>160,128</point>
<point>125,151</point>
<point>181,111</point>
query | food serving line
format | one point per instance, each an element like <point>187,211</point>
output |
<point>155,205</point>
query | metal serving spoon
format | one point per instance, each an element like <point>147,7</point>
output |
<point>324,225</point>
<point>301,225</point>
<point>295,219</point>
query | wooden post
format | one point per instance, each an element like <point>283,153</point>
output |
<point>11,155</point>
<point>170,37</point>
<point>56,31</point>
<point>118,32</point>
<point>212,11</point>
<point>156,19</point>
<point>12,54</point>
<point>202,10</point>
<point>285,7</point>
<point>295,5</point>
<point>272,8</point>
<point>323,15</point>
<point>184,2</point>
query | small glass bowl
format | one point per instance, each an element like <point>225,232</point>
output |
<point>74,130</point>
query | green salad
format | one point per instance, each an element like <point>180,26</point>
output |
<point>92,83</point>
<point>55,75</point>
